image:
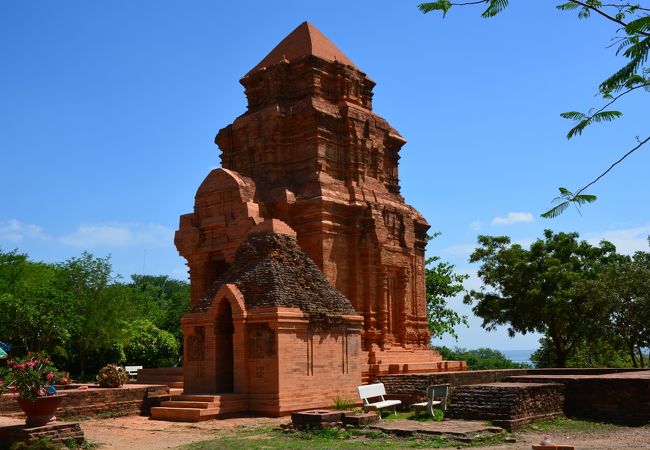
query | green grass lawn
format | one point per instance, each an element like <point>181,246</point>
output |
<point>566,425</point>
<point>327,438</point>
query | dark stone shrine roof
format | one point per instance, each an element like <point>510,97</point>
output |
<point>271,270</point>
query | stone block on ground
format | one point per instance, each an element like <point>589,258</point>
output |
<point>316,417</point>
<point>57,432</point>
<point>360,419</point>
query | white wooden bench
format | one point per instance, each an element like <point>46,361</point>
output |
<point>435,391</point>
<point>133,371</point>
<point>375,392</point>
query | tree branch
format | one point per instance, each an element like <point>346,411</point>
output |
<point>591,116</point>
<point>625,5</point>
<point>604,14</point>
<point>582,189</point>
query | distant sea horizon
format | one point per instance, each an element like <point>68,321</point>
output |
<point>519,356</point>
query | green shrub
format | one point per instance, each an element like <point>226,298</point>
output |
<point>112,376</point>
<point>149,346</point>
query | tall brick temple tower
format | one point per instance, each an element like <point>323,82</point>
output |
<point>309,155</point>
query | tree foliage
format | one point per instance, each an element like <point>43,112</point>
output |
<point>442,283</point>
<point>547,289</point>
<point>590,303</point>
<point>626,283</point>
<point>150,346</point>
<point>480,359</point>
<point>85,317</point>
<point>632,43</point>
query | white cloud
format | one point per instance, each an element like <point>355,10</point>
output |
<point>15,231</point>
<point>513,217</point>
<point>626,240</point>
<point>119,235</point>
<point>476,225</point>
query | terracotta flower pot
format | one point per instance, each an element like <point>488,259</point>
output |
<point>40,411</point>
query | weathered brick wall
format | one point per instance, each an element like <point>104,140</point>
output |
<point>59,432</point>
<point>619,397</point>
<point>412,388</point>
<point>125,401</point>
<point>616,400</point>
<point>506,402</point>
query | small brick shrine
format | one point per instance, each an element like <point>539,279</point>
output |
<point>275,329</point>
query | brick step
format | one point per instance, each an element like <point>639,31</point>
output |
<point>147,378</point>
<point>171,384</point>
<point>162,370</point>
<point>174,414</point>
<point>189,404</point>
<point>222,401</point>
<point>198,407</point>
<point>175,391</point>
<point>197,398</point>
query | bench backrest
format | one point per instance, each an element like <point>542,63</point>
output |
<point>438,391</point>
<point>132,370</point>
<point>371,391</point>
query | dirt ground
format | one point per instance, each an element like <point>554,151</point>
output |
<point>144,434</point>
<point>140,433</point>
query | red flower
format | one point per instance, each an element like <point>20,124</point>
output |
<point>49,376</point>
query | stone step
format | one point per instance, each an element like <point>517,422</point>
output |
<point>197,407</point>
<point>159,376</point>
<point>175,391</point>
<point>171,384</point>
<point>197,398</point>
<point>189,404</point>
<point>162,370</point>
<point>175,414</point>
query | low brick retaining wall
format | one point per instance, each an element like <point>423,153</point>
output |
<point>610,395</point>
<point>59,432</point>
<point>412,388</point>
<point>130,399</point>
<point>507,405</point>
<point>618,398</point>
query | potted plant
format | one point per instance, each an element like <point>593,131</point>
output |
<point>33,379</point>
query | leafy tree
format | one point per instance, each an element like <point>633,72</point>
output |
<point>632,42</point>
<point>35,313</point>
<point>547,289</point>
<point>601,351</point>
<point>480,359</point>
<point>101,306</point>
<point>442,283</point>
<point>150,346</point>
<point>626,283</point>
<point>163,301</point>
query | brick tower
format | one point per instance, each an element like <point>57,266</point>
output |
<point>310,153</point>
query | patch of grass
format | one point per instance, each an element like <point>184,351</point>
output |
<point>565,425</point>
<point>75,418</point>
<point>343,403</point>
<point>329,438</point>
<point>38,444</point>
<point>423,441</point>
<point>420,416</point>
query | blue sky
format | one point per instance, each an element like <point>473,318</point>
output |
<point>108,111</point>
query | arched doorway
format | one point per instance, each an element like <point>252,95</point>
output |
<point>223,330</point>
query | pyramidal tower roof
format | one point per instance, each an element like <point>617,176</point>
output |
<point>305,40</point>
